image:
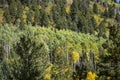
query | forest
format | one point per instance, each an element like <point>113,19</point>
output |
<point>59,40</point>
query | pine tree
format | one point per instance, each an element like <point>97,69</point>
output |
<point>114,50</point>
<point>117,17</point>
<point>37,16</point>
<point>34,5</point>
<point>13,9</point>
<point>95,8</point>
<point>106,14</point>
<point>94,24</point>
<point>7,16</point>
<point>22,24</point>
<point>74,10</point>
<point>29,17</point>
<point>111,11</point>
<point>44,20</point>
<point>19,10</point>
<point>101,29</point>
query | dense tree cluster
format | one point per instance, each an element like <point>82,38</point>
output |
<point>53,13</point>
<point>49,51</point>
<point>45,54</point>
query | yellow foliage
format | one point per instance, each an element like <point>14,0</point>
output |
<point>108,78</point>
<point>75,57</point>
<point>59,51</point>
<point>1,15</point>
<point>33,19</point>
<point>49,68</point>
<point>47,75</point>
<point>69,1</point>
<point>49,8</point>
<point>67,9</point>
<point>91,76</point>
<point>64,70</point>
<point>88,57</point>
<point>56,71</point>
<point>24,17</point>
<point>98,19</point>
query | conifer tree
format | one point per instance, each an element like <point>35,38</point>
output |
<point>106,14</point>
<point>13,8</point>
<point>114,50</point>
<point>37,16</point>
<point>95,8</point>
<point>101,28</point>
<point>44,20</point>
<point>22,24</point>
<point>74,10</point>
<point>117,17</point>
<point>111,11</point>
<point>34,5</point>
<point>19,10</point>
<point>7,16</point>
<point>29,17</point>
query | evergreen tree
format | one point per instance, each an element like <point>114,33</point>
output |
<point>101,29</point>
<point>29,17</point>
<point>111,11</point>
<point>19,10</point>
<point>22,24</point>
<point>7,16</point>
<point>34,5</point>
<point>114,50</point>
<point>74,15</point>
<point>106,14</point>
<point>117,17</point>
<point>37,17</point>
<point>95,8</point>
<point>13,9</point>
<point>44,20</point>
<point>74,10</point>
<point>94,23</point>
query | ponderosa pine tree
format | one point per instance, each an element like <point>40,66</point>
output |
<point>113,47</point>
<point>7,16</point>
<point>105,13</point>
<point>117,17</point>
<point>34,5</point>
<point>29,17</point>
<point>74,15</point>
<point>95,8</point>
<point>44,20</point>
<point>37,17</point>
<point>101,28</point>
<point>19,10</point>
<point>74,10</point>
<point>13,9</point>
<point>111,11</point>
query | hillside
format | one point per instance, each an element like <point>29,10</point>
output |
<point>56,49</point>
<point>59,40</point>
<point>81,16</point>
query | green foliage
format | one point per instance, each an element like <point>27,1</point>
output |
<point>7,16</point>
<point>95,9</point>
<point>53,13</point>
<point>13,12</point>
<point>112,45</point>
<point>111,11</point>
<point>117,17</point>
<point>38,53</point>
<point>32,50</point>
<point>29,17</point>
